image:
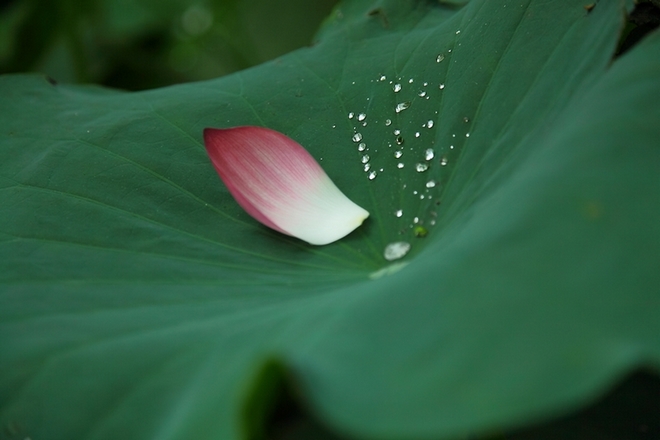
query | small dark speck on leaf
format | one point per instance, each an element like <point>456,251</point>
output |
<point>378,12</point>
<point>51,81</point>
<point>589,7</point>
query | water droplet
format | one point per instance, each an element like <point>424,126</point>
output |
<point>417,134</point>
<point>362,117</point>
<point>410,81</point>
<point>467,135</point>
<point>350,115</point>
<point>399,140</point>
<point>439,58</point>
<point>396,132</point>
<point>426,84</point>
<point>388,122</point>
<point>428,154</point>
<point>420,231</point>
<point>443,161</point>
<point>362,146</point>
<point>402,106</point>
<point>441,86</point>
<point>430,184</point>
<point>429,124</point>
<point>367,167</point>
<point>357,137</point>
<point>396,250</point>
<point>396,88</point>
<point>465,119</point>
<point>399,165</point>
<point>422,93</point>
<point>383,78</point>
<point>398,154</point>
<point>365,158</point>
<point>421,167</point>
<point>458,32</point>
<point>416,220</point>
<point>364,124</point>
<point>372,175</point>
<point>399,212</point>
<point>451,147</point>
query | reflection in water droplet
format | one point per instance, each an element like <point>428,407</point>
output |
<point>430,184</point>
<point>388,122</point>
<point>417,134</point>
<point>443,161</point>
<point>467,135</point>
<point>362,146</point>
<point>422,93</point>
<point>428,154</point>
<point>361,117</point>
<point>398,154</point>
<point>430,123</point>
<point>383,78</point>
<point>367,167</point>
<point>365,158</point>
<point>410,81</point>
<point>396,250</point>
<point>399,165</point>
<point>420,231</point>
<point>399,140</point>
<point>357,137</point>
<point>402,106</point>
<point>426,84</point>
<point>372,175</point>
<point>441,86</point>
<point>396,132</point>
<point>399,212</point>
<point>396,88</point>
<point>421,167</point>
<point>439,58</point>
<point>350,115</point>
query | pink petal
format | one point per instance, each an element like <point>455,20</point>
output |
<point>281,185</point>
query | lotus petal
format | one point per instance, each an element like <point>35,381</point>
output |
<point>280,184</point>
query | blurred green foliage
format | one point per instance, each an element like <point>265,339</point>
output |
<point>141,44</point>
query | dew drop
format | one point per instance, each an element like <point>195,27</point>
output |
<point>467,135</point>
<point>416,220</point>
<point>365,158</point>
<point>367,167</point>
<point>422,93</point>
<point>417,134</point>
<point>362,146</point>
<point>439,58</point>
<point>399,140</point>
<point>399,212</point>
<point>372,175</point>
<point>466,119</point>
<point>426,84</point>
<point>399,165</point>
<point>441,86</point>
<point>357,137</point>
<point>421,167</point>
<point>428,154</point>
<point>458,32</point>
<point>388,122</point>
<point>398,154</point>
<point>364,124</point>
<point>410,81</point>
<point>350,115</point>
<point>383,78</point>
<point>396,132</point>
<point>443,161</point>
<point>401,106</point>
<point>362,117</point>
<point>396,250</point>
<point>396,87</point>
<point>429,124</point>
<point>430,184</point>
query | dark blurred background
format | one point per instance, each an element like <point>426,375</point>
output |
<point>143,44</point>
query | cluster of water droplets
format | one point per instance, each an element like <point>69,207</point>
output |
<point>416,150</point>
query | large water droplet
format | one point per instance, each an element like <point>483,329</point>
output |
<point>350,115</point>
<point>361,117</point>
<point>362,146</point>
<point>357,137</point>
<point>417,134</point>
<point>372,175</point>
<point>428,154</point>
<point>396,88</point>
<point>430,184</point>
<point>399,212</point>
<point>430,123</point>
<point>396,250</point>
<point>421,167</point>
<point>388,122</point>
<point>401,106</point>
<point>367,167</point>
<point>439,58</point>
<point>365,158</point>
